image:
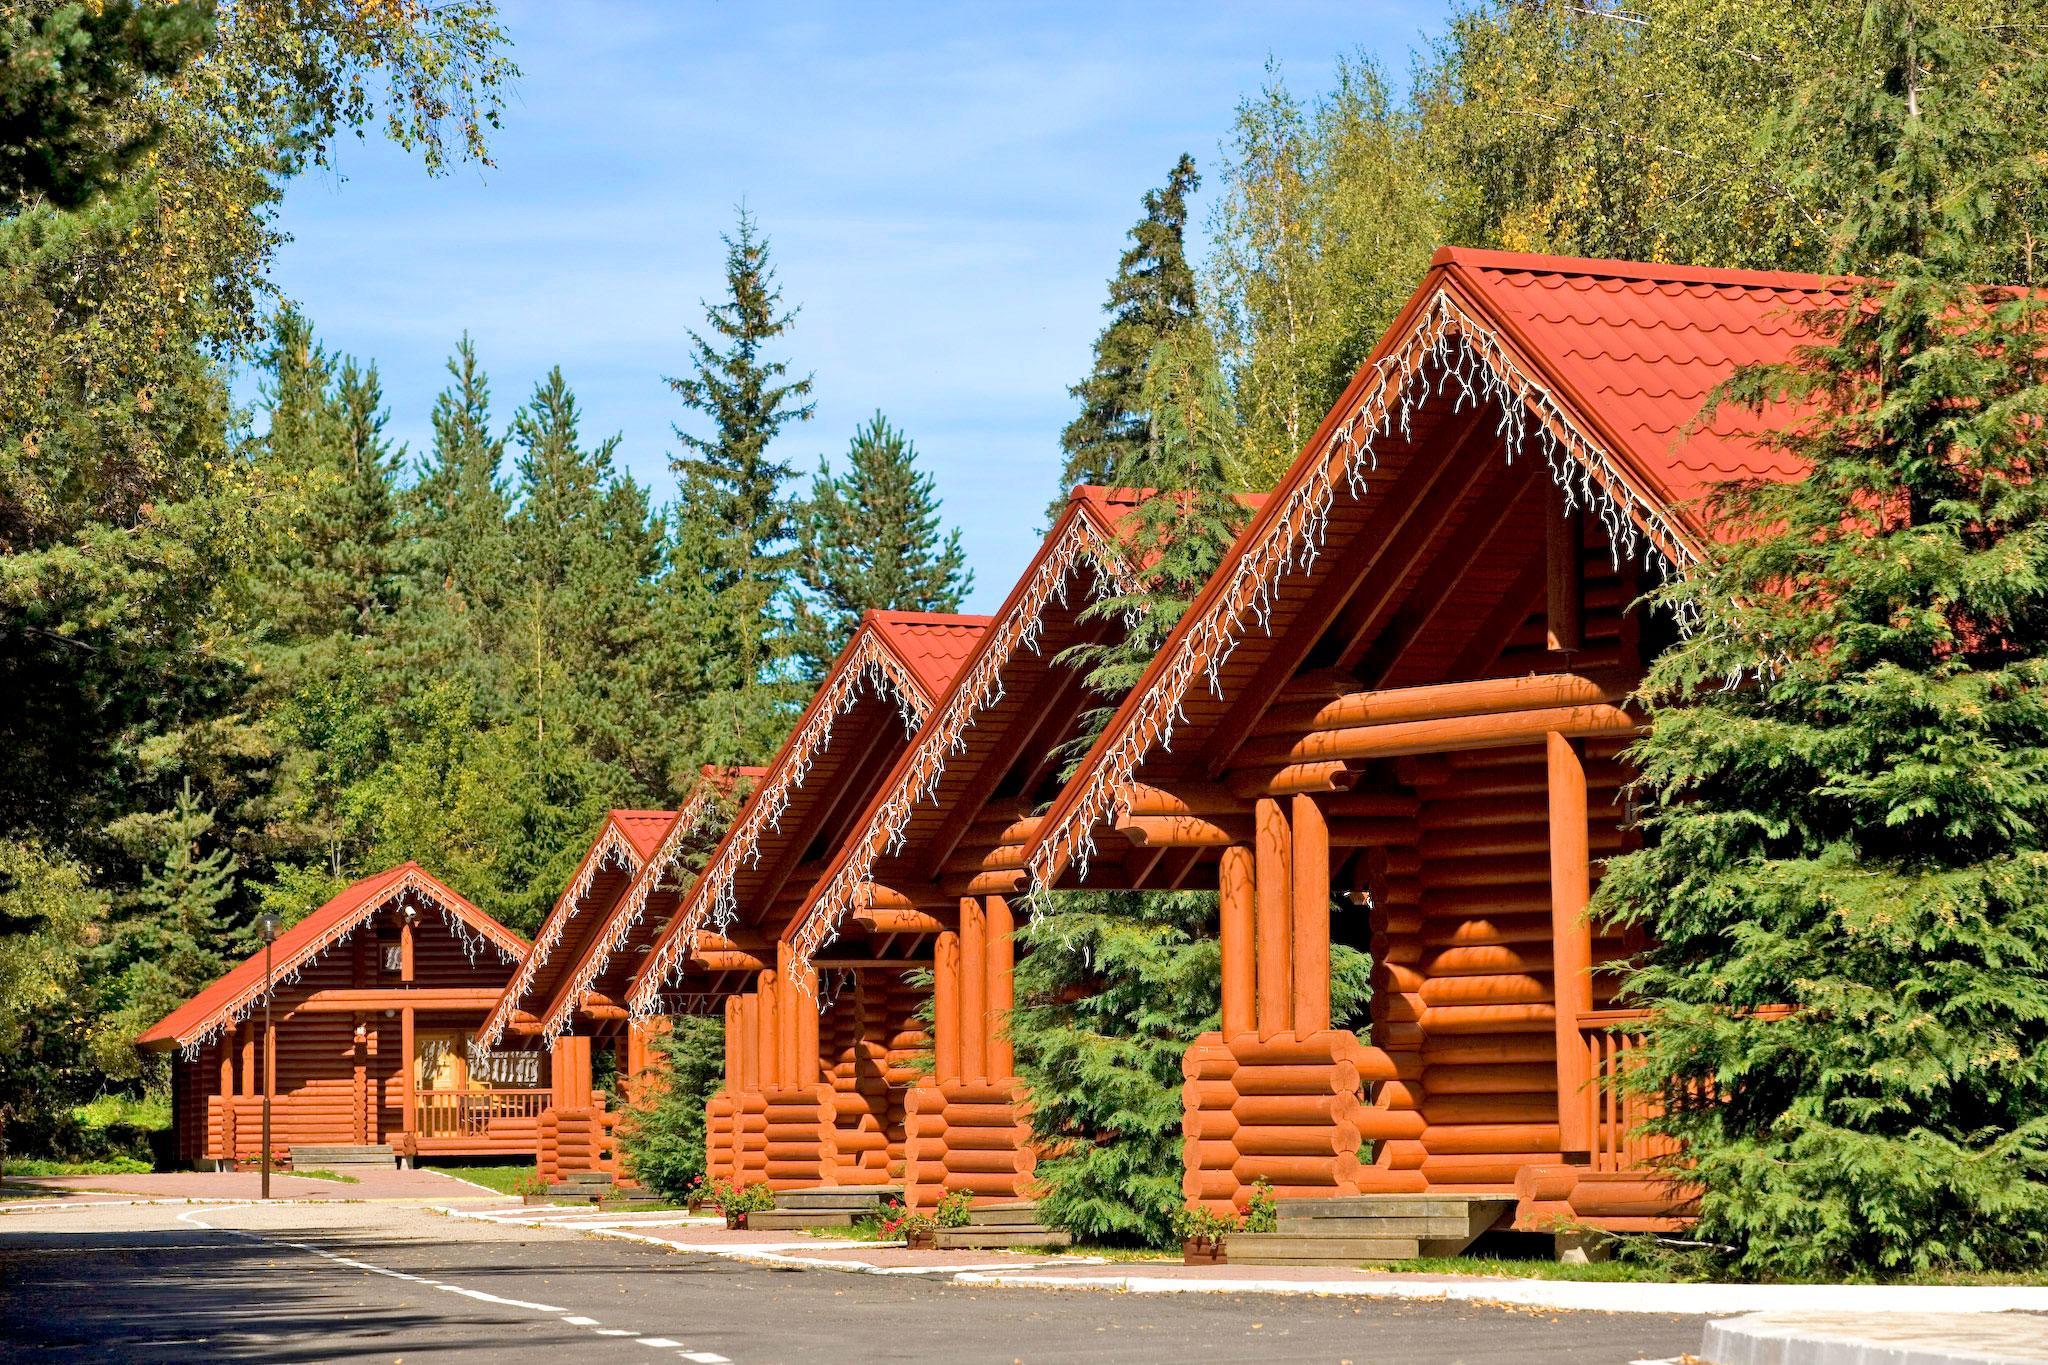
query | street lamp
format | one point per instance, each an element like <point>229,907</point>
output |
<point>268,925</point>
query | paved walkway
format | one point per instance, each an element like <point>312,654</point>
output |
<point>241,1185</point>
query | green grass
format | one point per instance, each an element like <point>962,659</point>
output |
<point>34,1166</point>
<point>1530,1268</point>
<point>336,1176</point>
<point>499,1176</point>
<point>148,1112</point>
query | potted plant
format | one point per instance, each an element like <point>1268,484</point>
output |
<point>737,1201</point>
<point>699,1196</point>
<point>1202,1232</point>
<point>531,1187</point>
<point>919,1231</point>
<point>954,1210</point>
<point>1261,1212</point>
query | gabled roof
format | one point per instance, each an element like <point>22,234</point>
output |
<point>1084,536</point>
<point>910,657</point>
<point>622,845</point>
<point>1600,367</point>
<point>622,922</point>
<point>237,991</point>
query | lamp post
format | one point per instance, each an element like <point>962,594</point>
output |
<point>268,924</point>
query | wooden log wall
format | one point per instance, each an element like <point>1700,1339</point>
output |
<point>972,1135</point>
<point>575,1140</point>
<point>869,1039</point>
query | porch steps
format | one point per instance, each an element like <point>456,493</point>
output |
<point>341,1158</point>
<point>822,1206</point>
<point>1008,1224</point>
<point>1370,1227</point>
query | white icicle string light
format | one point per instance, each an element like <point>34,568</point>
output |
<point>1084,543</point>
<point>287,972</point>
<point>611,848</point>
<point>871,663</point>
<point>1447,350</point>
<point>711,903</point>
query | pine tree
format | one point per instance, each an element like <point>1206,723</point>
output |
<point>1151,296</point>
<point>663,1135</point>
<point>175,933</point>
<point>1115,984</point>
<point>460,507</point>
<point>587,551</point>
<point>738,527</point>
<point>872,536</point>
<point>1846,766</point>
<point>339,576</point>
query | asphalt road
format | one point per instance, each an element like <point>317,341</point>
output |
<point>383,1283</point>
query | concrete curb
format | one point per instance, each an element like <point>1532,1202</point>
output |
<point>1698,1300</point>
<point>1933,1339</point>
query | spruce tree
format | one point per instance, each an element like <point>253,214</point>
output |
<point>1114,985</point>
<point>339,575</point>
<point>460,506</point>
<point>663,1135</point>
<point>872,537</point>
<point>1151,297</point>
<point>736,550</point>
<point>1848,813</point>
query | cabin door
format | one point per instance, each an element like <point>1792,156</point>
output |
<point>440,1076</point>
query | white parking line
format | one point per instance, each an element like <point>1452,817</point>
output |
<point>482,1296</point>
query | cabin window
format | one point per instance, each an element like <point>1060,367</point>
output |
<point>394,957</point>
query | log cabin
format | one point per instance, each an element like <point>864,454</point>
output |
<point>1397,716</point>
<point>716,951</point>
<point>374,998</point>
<point>939,850</point>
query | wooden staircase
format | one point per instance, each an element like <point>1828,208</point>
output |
<point>1013,1223</point>
<point>1370,1227</point>
<point>822,1206</point>
<point>343,1158</point>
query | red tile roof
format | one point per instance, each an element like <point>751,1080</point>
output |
<point>933,645</point>
<point>1636,349</point>
<point>643,828</point>
<point>230,996</point>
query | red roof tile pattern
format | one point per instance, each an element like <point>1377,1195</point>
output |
<point>231,995</point>
<point>643,828</point>
<point>933,645</point>
<point>1639,347</point>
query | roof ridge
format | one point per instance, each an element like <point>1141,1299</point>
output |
<point>1538,263</point>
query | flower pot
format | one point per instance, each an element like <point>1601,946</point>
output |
<point>695,1207</point>
<point>921,1239</point>
<point>533,1199</point>
<point>736,1221</point>
<point>1202,1251</point>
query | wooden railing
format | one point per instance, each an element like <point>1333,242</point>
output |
<point>470,1113</point>
<point>1615,1118</point>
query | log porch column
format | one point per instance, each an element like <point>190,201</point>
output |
<point>1309,883</point>
<point>408,1084</point>
<point>1571,939</point>
<point>227,1092</point>
<point>946,1005</point>
<point>999,926</point>
<point>973,990</point>
<point>1237,896</point>
<point>1274,910</point>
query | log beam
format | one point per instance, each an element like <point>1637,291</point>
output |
<point>1309,885</point>
<point>1237,896</point>
<point>1001,927</point>
<point>1571,938</point>
<point>1500,731</point>
<point>1274,910</point>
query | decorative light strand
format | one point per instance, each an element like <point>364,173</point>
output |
<point>711,901</point>
<point>1446,350</point>
<point>610,849</point>
<point>1085,542</point>
<point>631,908</point>
<point>287,972</point>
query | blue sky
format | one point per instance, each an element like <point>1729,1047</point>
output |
<point>947,189</point>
